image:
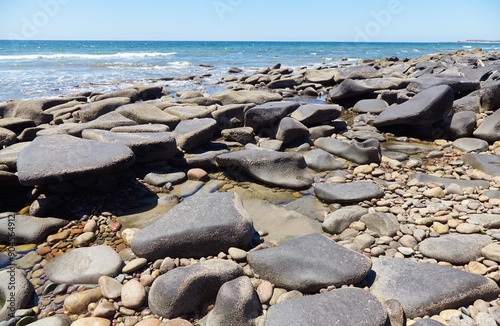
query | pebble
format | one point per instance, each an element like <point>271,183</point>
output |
<point>477,268</point>
<point>78,302</point>
<point>435,192</point>
<point>198,175</point>
<point>54,238</point>
<point>265,291</point>
<point>90,226</point>
<point>134,265</point>
<point>133,294</point>
<point>237,254</point>
<point>110,287</point>
<point>466,228</point>
<point>84,239</point>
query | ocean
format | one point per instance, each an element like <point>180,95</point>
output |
<point>40,69</point>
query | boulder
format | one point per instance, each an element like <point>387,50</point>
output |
<point>325,77</point>
<point>459,85</point>
<point>425,108</point>
<point>147,146</point>
<point>356,72</point>
<point>107,121</point>
<point>246,97</point>
<point>191,134</point>
<point>352,89</point>
<point>461,124</point>
<point>427,178</point>
<point>203,225</point>
<point>144,113</point>
<point>53,159</point>
<point>32,110</point>
<point>16,125</point>
<point>56,320</point>
<point>183,290</point>
<point>96,109</point>
<point>127,92</point>
<point>230,116</point>
<point>471,145</point>
<point>266,117</point>
<point>349,306</point>
<point>142,128</point>
<point>84,265</point>
<point>339,220</point>
<point>459,249</point>
<point>16,292</point>
<point>489,130</point>
<point>309,263</point>
<point>353,192</point>
<point>489,164</point>
<point>321,161</point>
<point>28,229</point>
<point>314,114</point>
<point>291,131</point>
<point>373,106</point>
<point>7,137</point>
<point>283,83</point>
<point>383,224</point>
<point>490,96</point>
<point>287,170</point>
<point>191,112</point>
<point>242,135</point>
<point>237,303</point>
<point>428,289</point>
<point>365,152</point>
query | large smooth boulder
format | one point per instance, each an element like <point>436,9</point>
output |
<point>53,159</point>
<point>428,289</point>
<point>365,152</point>
<point>309,263</point>
<point>490,96</point>
<point>95,109</point>
<point>147,146</point>
<point>291,131</point>
<point>425,108</point>
<point>16,292</point>
<point>7,137</point>
<point>489,130</point>
<point>230,116</point>
<point>287,170</point>
<point>343,193</point>
<point>32,110</point>
<point>191,134</point>
<point>352,89</point>
<point>457,84</point>
<point>313,114</point>
<point>202,225</point>
<point>349,307</point>
<point>107,121</point>
<point>237,303</point>
<point>9,155</point>
<point>457,249</point>
<point>266,117</point>
<point>144,113</point>
<point>373,106</point>
<point>325,77</point>
<point>183,290</point>
<point>461,124</point>
<point>246,97</point>
<point>84,265</point>
<point>28,229</point>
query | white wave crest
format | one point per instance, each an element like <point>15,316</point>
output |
<point>124,55</point>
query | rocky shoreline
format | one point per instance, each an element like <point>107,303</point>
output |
<point>347,195</point>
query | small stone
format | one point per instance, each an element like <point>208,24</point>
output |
<point>466,228</point>
<point>289,295</point>
<point>92,321</point>
<point>110,287</point>
<point>237,254</point>
<point>84,239</point>
<point>492,252</point>
<point>198,175</point>
<point>278,292</point>
<point>55,238</point>
<point>167,265</point>
<point>104,309</point>
<point>134,265</point>
<point>406,251</point>
<point>449,313</point>
<point>265,291</point>
<point>363,169</point>
<point>128,235</point>
<point>90,226</point>
<point>477,268</point>
<point>133,294</point>
<point>440,228</point>
<point>78,302</point>
<point>435,192</point>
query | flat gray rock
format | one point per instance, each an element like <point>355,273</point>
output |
<point>9,155</point>
<point>142,128</point>
<point>84,265</point>
<point>325,77</point>
<point>458,84</point>
<point>53,159</point>
<point>291,131</point>
<point>489,130</point>
<point>427,178</point>
<point>339,220</point>
<point>191,112</point>
<point>309,263</point>
<point>95,109</point>
<point>29,229</point>
<point>352,89</point>
<point>373,106</point>
<point>14,295</point>
<point>242,135</point>
<point>470,145</point>
<point>428,289</point>
<point>237,303</point>
<point>488,221</point>
<point>266,117</point>
<point>320,160</point>
<point>159,180</point>
<point>144,113</point>
<point>489,164</point>
<point>191,134</point>
<point>246,97</point>
<point>347,307</point>
<point>107,121</point>
<point>183,290</point>
<point>7,137</point>
<point>353,192</point>
<point>424,108</point>
<point>16,125</point>
<point>383,224</point>
<point>364,152</point>
<point>287,170</point>
<point>230,116</point>
<point>457,249</point>
<point>203,225</point>
<point>147,146</point>
<point>314,114</point>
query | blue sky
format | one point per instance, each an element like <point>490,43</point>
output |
<point>255,20</point>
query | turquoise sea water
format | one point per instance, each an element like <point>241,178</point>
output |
<point>35,69</point>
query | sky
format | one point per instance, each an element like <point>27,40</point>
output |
<point>251,20</point>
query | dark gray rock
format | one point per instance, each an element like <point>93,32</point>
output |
<point>489,164</point>
<point>32,110</point>
<point>351,306</point>
<point>237,303</point>
<point>339,220</point>
<point>107,121</point>
<point>347,192</point>
<point>265,118</point>
<point>373,106</point>
<point>205,160</point>
<point>29,229</point>
<point>383,224</point>
<point>203,225</point>
<point>314,114</point>
<point>356,72</point>
<point>427,178</point>
<point>427,322</point>
<point>160,180</point>
<point>283,83</point>
<point>471,145</point>
<point>291,131</point>
<point>84,265</point>
<point>7,137</point>
<point>191,134</point>
<point>457,249</point>
<point>183,290</point>
<point>53,159</point>
<point>428,289</point>
<point>425,108</point>
<point>246,97</point>
<point>142,128</point>
<point>96,109</point>
<point>489,130</point>
<point>230,116</point>
<point>288,170</point>
<point>458,84</point>
<point>490,96</point>
<point>364,152</point>
<point>352,89</point>
<point>16,125</point>
<point>16,292</point>
<point>147,146</point>
<point>8,180</point>
<point>242,135</point>
<point>319,160</point>
<point>321,131</point>
<point>144,113</point>
<point>309,263</point>
<point>461,124</point>
<point>469,103</point>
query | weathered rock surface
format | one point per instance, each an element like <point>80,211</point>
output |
<point>203,225</point>
<point>246,97</point>
<point>339,220</point>
<point>16,292</point>
<point>191,134</point>
<point>455,248</point>
<point>352,89</point>
<point>309,263</point>
<point>383,224</point>
<point>144,113</point>
<point>183,290</point>
<point>457,84</point>
<point>348,192</point>
<point>320,160</point>
<point>291,131</point>
<point>489,130</point>
<point>266,117</point>
<point>427,289</point>
<point>484,162</point>
<point>29,229</point>
<point>364,152</point>
<point>471,145</point>
<point>288,170</point>
<point>313,114</point>
<point>96,109</point>
<point>107,121</point>
<point>373,106</point>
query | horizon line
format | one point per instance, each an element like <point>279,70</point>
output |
<point>247,41</point>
